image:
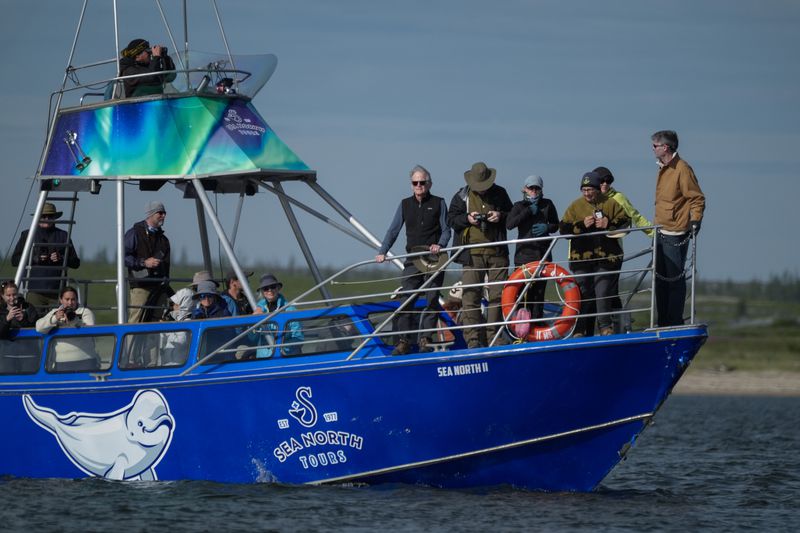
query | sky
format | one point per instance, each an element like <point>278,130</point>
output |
<point>365,90</point>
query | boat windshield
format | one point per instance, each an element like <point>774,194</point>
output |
<point>218,73</point>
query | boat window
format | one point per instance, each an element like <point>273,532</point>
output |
<point>80,353</point>
<point>376,319</point>
<point>21,355</point>
<point>155,349</point>
<point>320,335</point>
<point>258,344</point>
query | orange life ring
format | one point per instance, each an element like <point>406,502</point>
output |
<point>572,299</point>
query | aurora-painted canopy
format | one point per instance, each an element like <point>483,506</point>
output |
<point>167,137</point>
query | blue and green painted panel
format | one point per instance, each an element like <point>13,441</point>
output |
<point>171,137</point>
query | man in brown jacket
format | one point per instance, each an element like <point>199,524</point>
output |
<point>679,211</point>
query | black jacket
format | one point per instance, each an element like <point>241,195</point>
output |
<point>521,217</point>
<point>29,318</point>
<point>497,197</point>
<point>48,240</point>
<point>146,84</point>
<point>141,244</point>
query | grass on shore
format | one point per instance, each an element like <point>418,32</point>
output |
<point>743,334</point>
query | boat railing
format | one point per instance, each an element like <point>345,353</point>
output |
<point>636,268</point>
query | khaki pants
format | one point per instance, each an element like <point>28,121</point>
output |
<point>138,298</point>
<point>488,266</point>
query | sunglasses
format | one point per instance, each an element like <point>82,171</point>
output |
<point>419,183</point>
<point>269,288</point>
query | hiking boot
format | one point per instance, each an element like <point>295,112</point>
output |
<point>474,344</point>
<point>401,348</point>
<point>604,332</point>
<point>425,345</point>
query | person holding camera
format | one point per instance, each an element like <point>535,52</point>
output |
<point>15,312</point>
<point>72,354</point>
<point>147,252</point>
<point>49,268</point>
<point>594,259</point>
<point>477,215</point>
<point>139,58</point>
<point>425,218</point>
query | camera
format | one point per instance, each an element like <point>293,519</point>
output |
<point>481,219</point>
<point>70,314</point>
<point>18,302</point>
<point>598,214</point>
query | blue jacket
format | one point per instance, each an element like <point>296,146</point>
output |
<point>217,310</point>
<point>293,333</point>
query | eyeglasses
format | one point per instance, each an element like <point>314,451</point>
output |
<point>605,181</point>
<point>419,183</point>
<point>269,288</point>
<point>533,188</point>
<point>657,145</point>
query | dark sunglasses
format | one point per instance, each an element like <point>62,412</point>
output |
<point>270,287</point>
<point>419,183</point>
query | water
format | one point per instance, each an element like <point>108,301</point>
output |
<point>720,463</point>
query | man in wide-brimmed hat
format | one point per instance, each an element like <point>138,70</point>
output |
<point>478,216</point>
<point>147,256</point>
<point>50,246</point>
<point>425,218</point>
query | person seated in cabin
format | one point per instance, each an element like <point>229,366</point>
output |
<point>51,244</point>
<point>595,259</point>
<point>234,297</point>
<point>15,312</point>
<point>139,58</point>
<point>72,354</point>
<point>210,304</point>
<point>534,216</point>
<point>270,287</point>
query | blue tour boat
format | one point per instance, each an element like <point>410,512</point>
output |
<point>245,399</point>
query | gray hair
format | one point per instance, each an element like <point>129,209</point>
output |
<point>420,168</point>
<point>668,137</point>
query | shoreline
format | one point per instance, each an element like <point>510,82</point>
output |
<point>739,383</point>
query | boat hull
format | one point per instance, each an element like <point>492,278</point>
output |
<point>547,416</point>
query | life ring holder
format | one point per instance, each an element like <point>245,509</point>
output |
<point>564,325</point>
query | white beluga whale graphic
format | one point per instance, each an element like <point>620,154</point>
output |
<point>124,445</point>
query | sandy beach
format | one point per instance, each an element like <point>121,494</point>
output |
<point>745,383</point>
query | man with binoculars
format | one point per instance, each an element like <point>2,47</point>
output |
<point>139,58</point>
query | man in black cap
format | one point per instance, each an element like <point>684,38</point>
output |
<point>425,218</point>
<point>147,253</point>
<point>48,272</point>
<point>139,58</point>
<point>234,297</point>
<point>478,216</point>
<point>595,258</point>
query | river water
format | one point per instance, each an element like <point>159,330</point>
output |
<point>711,463</point>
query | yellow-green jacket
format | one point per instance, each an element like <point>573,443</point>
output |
<point>638,220</point>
